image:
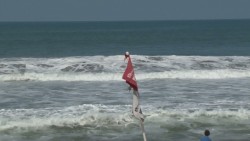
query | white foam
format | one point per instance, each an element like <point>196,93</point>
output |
<point>196,74</point>
<point>109,115</point>
<point>188,74</point>
<point>109,68</point>
<point>93,115</point>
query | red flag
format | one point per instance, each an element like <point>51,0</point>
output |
<point>129,75</point>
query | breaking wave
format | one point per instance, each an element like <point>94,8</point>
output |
<point>108,68</point>
<point>113,115</point>
<point>191,74</point>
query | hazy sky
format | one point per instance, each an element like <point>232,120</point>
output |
<point>113,10</point>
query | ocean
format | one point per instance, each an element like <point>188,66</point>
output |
<point>62,81</point>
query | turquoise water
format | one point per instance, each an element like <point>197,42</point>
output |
<point>63,80</point>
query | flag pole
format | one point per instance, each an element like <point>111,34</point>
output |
<point>143,131</point>
<point>129,76</point>
<point>138,114</point>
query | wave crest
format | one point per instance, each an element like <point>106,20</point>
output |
<point>108,68</point>
<point>112,115</point>
<point>191,74</point>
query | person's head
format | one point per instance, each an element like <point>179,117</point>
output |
<point>206,133</point>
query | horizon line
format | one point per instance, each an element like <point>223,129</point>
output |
<point>209,19</point>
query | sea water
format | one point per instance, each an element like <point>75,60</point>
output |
<point>62,81</point>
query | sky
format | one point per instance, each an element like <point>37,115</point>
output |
<point>122,10</point>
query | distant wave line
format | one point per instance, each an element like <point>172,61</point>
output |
<point>180,74</point>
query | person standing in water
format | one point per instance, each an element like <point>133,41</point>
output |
<point>205,137</point>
